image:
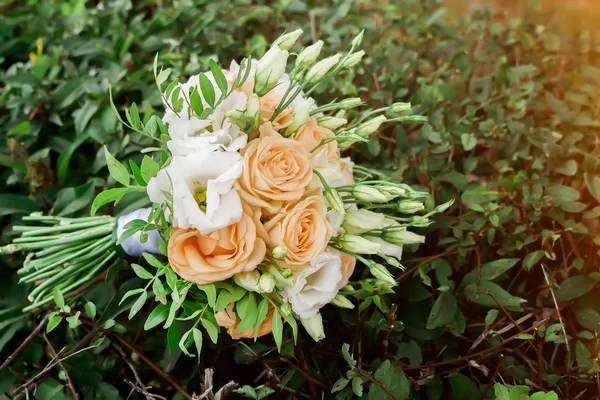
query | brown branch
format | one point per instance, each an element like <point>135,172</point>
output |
<point>304,374</point>
<point>23,390</point>
<point>479,353</point>
<point>493,378</point>
<point>22,346</point>
<point>130,347</point>
<point>67,374</point>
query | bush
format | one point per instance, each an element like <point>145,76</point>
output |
<point>504,289</point>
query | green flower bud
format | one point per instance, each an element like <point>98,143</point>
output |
<point>314,326</point>
<point>359,221</point>
<point>367,128</point>
<point>357,244</point>
<point>287,40</point>
<point>400,236</point>
<point>410,206</point>
<point>331,123</point>
<point>248,280</point>
<point>320,69</point>
<point>309,55</point>
<point>280,252</point>
<point>267,282</point>
<point>270,69</point>
<point>342,301</point>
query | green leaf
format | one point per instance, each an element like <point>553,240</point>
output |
<point>130,293</point>
<point>108,196</point>
<point>532,259</point>
<point>71,200</point>
<point>568,168</point>
<point>173,335</point>
<point>463,387</point>
<point>16,204</point>
<point>137,175</point>
<point>163,76</point>
<point>207,89</point>
<point>277,329</point>
<point>261,314</point>
<point>574,287</point>
<point>468,141</point>
<point>339,385</point>
<point>544,396</point>
<point>519,393</point>
<point>478,295</point>
<point>218,76</point>
<point>501,392</point>
<point>53,321</point>
<point>159,291</point>
<point>393,379</point>
<point>491,317</point>
<point>491,270</point>
<point>443,311</point>
<point>560,194</point>
<point>141,272</point>
<point>90,309</point>
<point>58,298</point>
<point>211,329</point>
<point>246,309</point>
<point>84,115</point>
<point>357,386</point>
<point>149,168</point>
<point>139,303</point>
<point>157,316</point>
<point>197,340</point>
<point>150,259</point>
<point>73,320</point>
<point>211,293</point>
<point>346,354</point>
<point>117,170</point>
<point>196,102</point>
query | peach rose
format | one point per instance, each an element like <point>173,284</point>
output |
<point>219,255</point>
<point>303,229</point>
<point>348,264</point>
<point>227,319</point>
<point>275,169</point>
<point>311,134</point>
<point>268,104</point>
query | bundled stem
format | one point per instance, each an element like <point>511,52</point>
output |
<point>64,253</point>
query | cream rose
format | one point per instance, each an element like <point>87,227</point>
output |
<point>219,255</point>
<point>228,319</point>
<point>275,169</point>
<point>303,229</point>
<point>311,134</point>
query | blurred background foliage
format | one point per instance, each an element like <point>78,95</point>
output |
<point>504,290</point>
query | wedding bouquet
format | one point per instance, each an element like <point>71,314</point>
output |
<point>257,221</point>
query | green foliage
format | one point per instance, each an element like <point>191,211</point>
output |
<point>512,107</point>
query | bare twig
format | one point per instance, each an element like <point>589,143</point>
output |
<point>67,374</point>
<point>479,353</point>
<point>22,346</point>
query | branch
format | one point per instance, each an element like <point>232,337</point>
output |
<point>29,338</point>
<point>479,353</point>
<point>67,375</point>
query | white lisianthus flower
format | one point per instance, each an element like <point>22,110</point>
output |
<point>201,185</point>
<point>316,285</point>
<point>212,134</point>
